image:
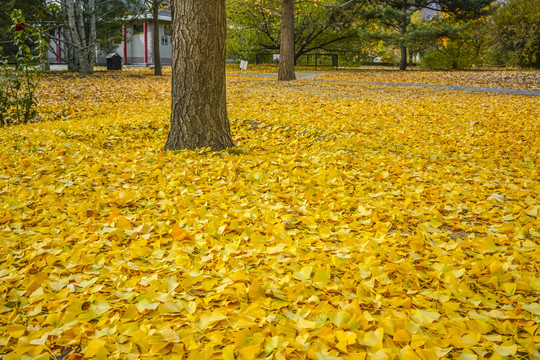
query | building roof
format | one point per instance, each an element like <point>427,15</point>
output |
<point>163,14</point>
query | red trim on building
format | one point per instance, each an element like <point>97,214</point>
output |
<point>125,43</point>
<point>145,43</point>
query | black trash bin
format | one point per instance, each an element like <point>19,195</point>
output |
<point>114,62</point>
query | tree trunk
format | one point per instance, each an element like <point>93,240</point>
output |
<point>199,107</point>
<point>403,59</point>
<point>92,34</point>
<point>155,25</point>
<point>286,47</point>
<point>403,30</point>
<point>73,63</point>
<point>71,57</point>
<point>78,36</point>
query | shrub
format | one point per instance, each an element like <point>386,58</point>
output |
<point>19,79</point>
<point>456,55</point>
<point>516,29</point>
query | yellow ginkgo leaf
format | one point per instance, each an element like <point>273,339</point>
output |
<point>372,339</point>
<point>255,290</point>
<point>94,347</point>
<point>179,234</point>
<point>401,335</point>
<point>209,319</point>
<point>425,317</point>
<point>123,223</point>
<point>506,350</point>
<point>304,273</point>
<point>249,352</point>
<point>169,335</point>
<point>533,308</point>
<point>16,331</point>
<point>305,324</point>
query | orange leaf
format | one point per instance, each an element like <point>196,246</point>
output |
<point>179,234</point>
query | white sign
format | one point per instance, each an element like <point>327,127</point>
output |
<point>243,65</point>
<point>377,60</point>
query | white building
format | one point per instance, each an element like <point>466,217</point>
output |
<point>137,47</point>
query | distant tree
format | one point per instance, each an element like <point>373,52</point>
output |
<point>286,47</point>
<point>155,6</point>
<point>393,19</point>
<point>88,23</point>
<point>82,33</point>
<point>463,10</point>
<point>517,32</point>
<point>451,44</point>
<point>199,107</point>
<point>262,25</point>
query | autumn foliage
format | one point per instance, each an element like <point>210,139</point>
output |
<point>352,221</point>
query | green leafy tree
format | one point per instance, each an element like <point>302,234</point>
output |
<point>19,80</point>
<point>257,26</point>
<point>448,43</point>
<point>460,49</point>
<point>155,7</point>
<point>392,20</point>
<point>517,32</point>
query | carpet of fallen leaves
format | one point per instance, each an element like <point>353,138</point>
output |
<point>352,221</point>
<point>529,80</point>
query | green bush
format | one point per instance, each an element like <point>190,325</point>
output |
<point>19,80</point>
<point>516,32</point>
<point>456,54</point>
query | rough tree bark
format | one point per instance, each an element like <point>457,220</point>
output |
<point>85,46</point>
<point>403,30</point>
<point>70,55</point>
<point>199,107</point>
<point>156,39</point>
<point>286,47</point>
<point>403,58</point>
<point>92,33</point>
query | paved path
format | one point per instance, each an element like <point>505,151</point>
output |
<point>312,75</point>
<point>300,75</point>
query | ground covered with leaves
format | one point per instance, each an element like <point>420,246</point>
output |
<point>492,79</point>
<point>352,221</point>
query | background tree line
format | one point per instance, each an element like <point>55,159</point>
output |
<point>443,34</point>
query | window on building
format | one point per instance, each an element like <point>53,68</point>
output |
<point>138,29</point>
<point>164,40</point>
<point>167,31</point>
